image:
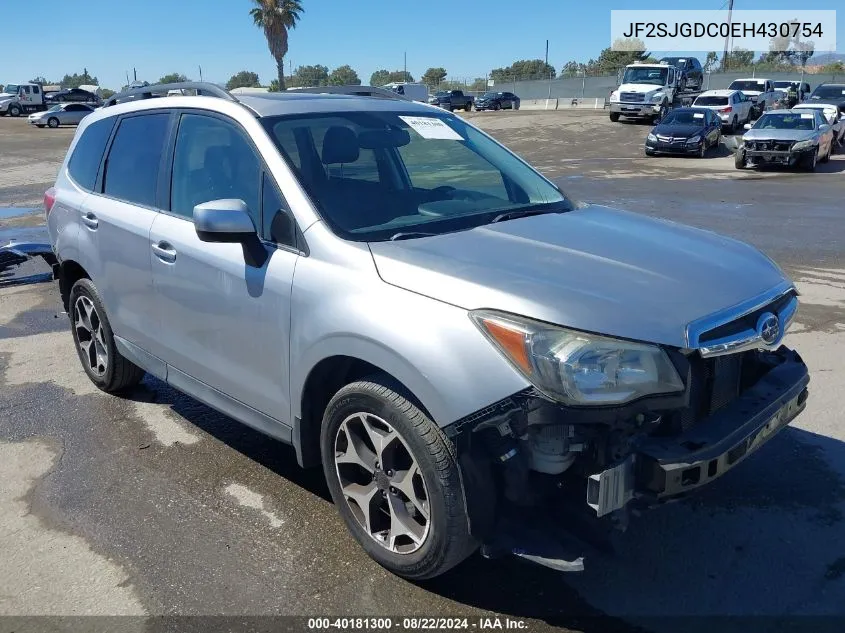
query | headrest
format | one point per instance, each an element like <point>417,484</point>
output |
<point>340,145</point>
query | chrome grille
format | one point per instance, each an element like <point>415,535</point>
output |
<point>632,97</point>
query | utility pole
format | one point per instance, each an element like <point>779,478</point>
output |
<point>547,52</point>
<point>135,74</point>
<point>405,67</point>
<point>200,67</point>
<point>727,37</point>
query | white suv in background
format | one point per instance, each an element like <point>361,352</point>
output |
<point>732,106</point>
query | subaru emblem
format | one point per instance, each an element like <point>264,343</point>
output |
<point>768,327</point>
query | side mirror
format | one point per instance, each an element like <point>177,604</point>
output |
<point>228,221</point>
<point>224,220</point>
<point>747,126</point>
<point>824,127</point>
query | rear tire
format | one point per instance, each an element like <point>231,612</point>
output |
<point>468,107</point>
<point>53,122</point>
<point>358,459</point>
<point>94,341</point>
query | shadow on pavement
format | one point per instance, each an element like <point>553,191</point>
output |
<point>766,542</point>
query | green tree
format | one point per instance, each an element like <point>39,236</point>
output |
<point>524,69</point>
<point>344,76</point>
<point>380,77</point>
<point>75,80</point>
<point>105,93</point>
<point>572,68</point>
<point>479,84</point>
<point>834,67</point>
<point>274,85</point>
<point>622,53</point>
<point>711,61</point>
<point>400,75</point>
<point>307,76</point>
<point>433,76</point>
<point>243,79</point>
<point>276,18</point>
<point>738,58</point>
<point>173,78</point>
<point>39,80</point>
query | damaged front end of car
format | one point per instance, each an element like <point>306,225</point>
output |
<point>545,477</point>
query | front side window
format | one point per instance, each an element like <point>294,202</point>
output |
<point>85,161</point>
<point>212,161</point>
<point>423,172</point>
<point>132,166</point>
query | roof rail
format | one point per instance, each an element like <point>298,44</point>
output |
<point>149,92</point>
<point>361,91</point>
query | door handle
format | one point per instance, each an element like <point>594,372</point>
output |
<point>90,220</point>
<point>165,252</point>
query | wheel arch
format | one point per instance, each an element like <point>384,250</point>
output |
<point>326,377</point>
<point>70,272</point>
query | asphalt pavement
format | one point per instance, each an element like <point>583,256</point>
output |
<point>153,504</point>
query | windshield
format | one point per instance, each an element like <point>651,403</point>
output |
<point>490,95</point>
<point>711,101</point>
<point>375,174</point>
<point>11,89</point>
<point>754,86</point>
<point>656,76</point>
<point>675,61</point>
<point>442,93</point>
<point>683,117</point>
<point>790,121</point>
<point>55,108</point>
<point>829,92</point>
<point>786,84</point>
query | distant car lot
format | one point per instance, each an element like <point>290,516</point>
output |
<point>199,503</point>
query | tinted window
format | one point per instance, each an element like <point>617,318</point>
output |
<point>85,161</point>
<point>134,158</point>
<point>213,160</point>
<point>35,90</point>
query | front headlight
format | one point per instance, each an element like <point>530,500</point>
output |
<point>577,368</point>
<point>800,146</point>
<point>657,96</point>
<point>614,96</point>
<point>651,137</point>
<point>693,140</point>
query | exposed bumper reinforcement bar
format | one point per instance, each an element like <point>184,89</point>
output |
<point>662,468</point>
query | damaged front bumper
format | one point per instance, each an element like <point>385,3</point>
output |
<point>662,468</point>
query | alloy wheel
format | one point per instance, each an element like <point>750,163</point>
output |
<point>90,335</point>
<point>382,483</point>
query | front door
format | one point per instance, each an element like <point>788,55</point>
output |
<point>222,321</point>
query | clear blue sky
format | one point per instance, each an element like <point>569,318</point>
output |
<point>466,38</point>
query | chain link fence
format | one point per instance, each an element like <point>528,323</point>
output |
<point>600,85</point>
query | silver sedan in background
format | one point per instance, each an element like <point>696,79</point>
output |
<point>61,114</point>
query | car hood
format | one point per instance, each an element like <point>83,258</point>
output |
<point>639,88</point>
<point>595,269</point>
<point>678,131</point>
<point>781,135</point>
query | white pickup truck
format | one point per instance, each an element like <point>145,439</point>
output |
<point>18,99</point>
<point>647,91</point>
<point>761,92</point>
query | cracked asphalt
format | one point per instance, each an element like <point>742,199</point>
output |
<point>154,504</point>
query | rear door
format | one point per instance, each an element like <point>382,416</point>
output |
<point>223,323</point>
<point>116,221</point>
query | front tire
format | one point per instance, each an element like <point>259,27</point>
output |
<point>739,159</point>
<point>808,160</point>
<point>614,117</point>
<point>827,156</point>
<point>94,341</point>
<point>394,477</point>
<point>53,122</point>
<point>14,110</point>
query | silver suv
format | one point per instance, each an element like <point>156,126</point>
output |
<point>382,285</point>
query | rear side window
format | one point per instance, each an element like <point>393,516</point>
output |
<point>85,161</point>
<point>131,171</point>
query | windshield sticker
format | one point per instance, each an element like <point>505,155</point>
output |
<point>698,115</point>
<point>807,116</point>
<point>431,128</point>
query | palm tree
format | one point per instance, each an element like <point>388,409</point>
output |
<point>276,17</point>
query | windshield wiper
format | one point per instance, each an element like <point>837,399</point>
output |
<point>524,213</point>
<point>409,235</point>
